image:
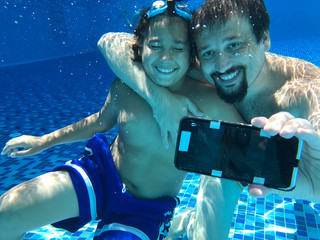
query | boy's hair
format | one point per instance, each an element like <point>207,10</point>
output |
<point>220,11</point>
<point>143,25</point>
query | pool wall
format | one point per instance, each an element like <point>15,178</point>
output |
<point>40,30</point>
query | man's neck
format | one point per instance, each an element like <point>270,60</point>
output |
<point>259,100</point>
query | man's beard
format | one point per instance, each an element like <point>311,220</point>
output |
<point>232,96</point>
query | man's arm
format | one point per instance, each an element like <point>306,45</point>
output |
<point>116,49</point>
<point>101,121</point>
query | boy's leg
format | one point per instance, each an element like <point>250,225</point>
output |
<point>44,200</point>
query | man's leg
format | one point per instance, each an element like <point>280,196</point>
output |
<point>216,202</point>
<point>44,200</point>
<point>180,223</point>
<point>212,218</point>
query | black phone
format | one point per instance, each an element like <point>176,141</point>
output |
<point>237,151</point>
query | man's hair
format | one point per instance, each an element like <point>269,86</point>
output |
<point>220,11</point>
<point>142,28</point>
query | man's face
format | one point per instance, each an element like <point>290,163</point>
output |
<point>230,57</point>
<point>166,51</point>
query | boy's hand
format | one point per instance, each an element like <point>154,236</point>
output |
<point>169,112</point>
<point>22,146</point>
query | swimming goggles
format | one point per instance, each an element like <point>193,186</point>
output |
<point>159,7</point>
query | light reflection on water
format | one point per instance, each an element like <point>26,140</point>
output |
<point>49,232</point>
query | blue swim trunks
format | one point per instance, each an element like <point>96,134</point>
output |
<point>102,196</point>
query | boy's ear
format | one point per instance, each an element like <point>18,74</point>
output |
<point>266,40</point>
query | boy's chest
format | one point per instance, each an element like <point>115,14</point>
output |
<point>136,123</point>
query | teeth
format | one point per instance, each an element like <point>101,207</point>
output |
<point>165,70</point>
<point>229,76</point>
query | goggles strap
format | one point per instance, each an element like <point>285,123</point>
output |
<point>159,7</point>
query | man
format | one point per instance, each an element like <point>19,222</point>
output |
<point>232,39</point>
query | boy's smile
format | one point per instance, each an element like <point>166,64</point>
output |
<point>166,51</point>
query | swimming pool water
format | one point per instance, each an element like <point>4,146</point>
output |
<point>41,97</point>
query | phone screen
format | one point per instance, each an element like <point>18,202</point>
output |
<point>239,152</point>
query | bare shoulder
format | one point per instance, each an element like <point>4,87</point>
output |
<point>122,96</point>
<point>295,68</point>
<point>119,88</point>
<point>205,96</point>
<point>301,88</point>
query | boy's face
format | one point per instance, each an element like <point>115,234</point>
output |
<point>230,57</point>
<point>166,51</point>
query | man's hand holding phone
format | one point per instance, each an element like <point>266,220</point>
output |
<point>308,179</point>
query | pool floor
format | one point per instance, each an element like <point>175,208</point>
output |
<point>42,97</point>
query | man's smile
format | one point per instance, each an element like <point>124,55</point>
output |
<point>228,78</point>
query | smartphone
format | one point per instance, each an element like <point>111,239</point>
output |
<point>237,151</point>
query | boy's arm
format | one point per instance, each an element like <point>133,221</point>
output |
<point>116,49</point>
<point>101,121</point>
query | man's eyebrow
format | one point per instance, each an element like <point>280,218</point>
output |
<point>230,38</point>
<point>201,48</point>
<point>227,39</point>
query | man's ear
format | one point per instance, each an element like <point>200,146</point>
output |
<point>266,40</point>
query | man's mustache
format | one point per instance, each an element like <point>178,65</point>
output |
<point>217,75</point>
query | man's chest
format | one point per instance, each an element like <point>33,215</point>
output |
<point>262,104</point>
